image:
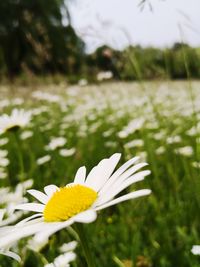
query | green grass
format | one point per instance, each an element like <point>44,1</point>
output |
<point>158,230</point>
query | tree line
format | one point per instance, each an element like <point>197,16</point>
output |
<point>33,39</point>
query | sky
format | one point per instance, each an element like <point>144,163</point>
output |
<point>119,23</point>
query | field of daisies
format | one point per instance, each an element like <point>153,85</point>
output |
<point>100,175</point>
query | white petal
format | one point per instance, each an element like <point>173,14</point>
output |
<point>83,217</point>
<point>50,189</point>
<point>39,195</point>
<point>51,228</point>
<point>87,216</point>
<point>118,187</point>
<point>29,219</point>
<point>11,255</point>
<point>31,207</point>
<point>16,233</point>
<point>118,173</point>
<point>126,177</point>
<point>80,175</point>
<point>101,173</point>
<point>131,195</point>
<point>11,219</point>
<point>4,230</point>
<point>130,171</point>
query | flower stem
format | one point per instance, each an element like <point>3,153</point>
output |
<point>84,243</point>
<point>20,157</point>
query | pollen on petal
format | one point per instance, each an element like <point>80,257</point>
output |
<point>69,201</point>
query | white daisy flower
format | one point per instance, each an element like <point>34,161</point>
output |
<point>19,118</point>
<point>78,201</point>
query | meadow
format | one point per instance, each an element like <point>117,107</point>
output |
<point>73,126</point>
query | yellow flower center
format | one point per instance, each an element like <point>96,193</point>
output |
<point>68,201</point>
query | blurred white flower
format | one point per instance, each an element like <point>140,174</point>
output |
<point>19,118</point>
<point>195,130</point>
<point>3,153</point>
<point>4,103</point>
<point>63,260</point>
<point>196,250</point>
<point>133,125</point>
<point>82,82</point>
<point>39,110</point>
<point>104,75</point>
<point>11,198</point>
<point>26,134</point>
<point>134,143</point>
<point>160,150</point>
<point>3,174</point>
<point>53,98</point>
<point>184,151</point>
<point>160,135</point>
<point>173,139</point>
<point>110,144</point>
<point>67,152</point>
<point>108,133</point>
<point>68,246</point>
<point>46,127</point>
<point>123,134</point>
<point>143,155</point>
<point>4,162</point>
<point>17,101</point>
<point>56,142</point>
<point>43,160</point>
<point>3,141</point>
<point>36,243</point>
<point>196,164</point>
